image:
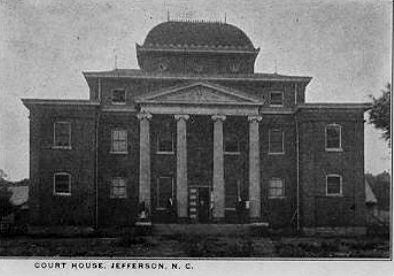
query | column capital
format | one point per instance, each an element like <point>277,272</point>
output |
<point>218,117</point>
<point>144,115</point>
<point>181,117</point>
<point>255,118</point>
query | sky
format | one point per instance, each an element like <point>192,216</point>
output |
<point>45,45</point>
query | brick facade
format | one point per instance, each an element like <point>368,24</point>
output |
<point>237,101</point>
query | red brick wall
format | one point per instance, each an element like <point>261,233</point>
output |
<point>77,209</point>
<point>317,208</point>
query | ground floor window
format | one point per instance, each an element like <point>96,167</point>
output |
<point>233,192</point>
<point>62,183</point>
<point>118,188</point>
<point>164,192</point>
<point>276,188</point>
<point>333,184</point>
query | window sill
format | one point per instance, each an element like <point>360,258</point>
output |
<point>230,209</point>
<point>117,198</point>
<point>119,152</point>
<point>277,197</point>
<point>165,152</point>
<point>276,105</point>
<point>276,153</point>
<point>62,194</point>
<point>122,103</point>
<point>334,150</point>
<point>61,148</point>
<point>334,195</point>
<point>232,153</point>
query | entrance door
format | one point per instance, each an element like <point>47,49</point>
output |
<point>203,202</point>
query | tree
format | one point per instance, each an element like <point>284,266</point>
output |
<point>379,114</point>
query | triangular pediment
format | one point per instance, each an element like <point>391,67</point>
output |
<point>199,93</point>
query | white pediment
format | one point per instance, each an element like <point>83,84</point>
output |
<point>199,93</point>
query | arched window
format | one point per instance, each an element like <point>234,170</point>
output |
<point>333,185</point>
<point>62,184</point>
<point>333,137</point>
<point>276,188</point>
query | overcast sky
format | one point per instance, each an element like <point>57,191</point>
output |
<point>45,45</point>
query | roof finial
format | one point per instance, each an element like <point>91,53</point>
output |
<point>115,59</point>
<point>225,18</point>
<point>276,67</point>
<point>168,15</point>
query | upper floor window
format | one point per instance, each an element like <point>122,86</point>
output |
<point>119,96</point>
<point>62,184</point>
<point>164,192</point>
<point>119,141</point>
<point>165,142</point>
<point>231,145</point>
<point>62,135</point>
<point>333,184</point>
<point>276,98</point>
<point>276,188</point>
<point>118,188</point>
<point>333,137</point>
<point>276,141</point>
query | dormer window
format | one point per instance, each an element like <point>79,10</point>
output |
<point>163,66</point>
<point>276,99</point>
<point>118,96</point>
<point>234,67</point>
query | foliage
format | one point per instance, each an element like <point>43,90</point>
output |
<point>379,115</point>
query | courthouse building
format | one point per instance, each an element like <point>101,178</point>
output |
<point>195,135</point>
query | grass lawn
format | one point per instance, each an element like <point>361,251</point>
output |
<point>196,246</point>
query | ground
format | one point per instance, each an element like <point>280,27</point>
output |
<point>181,245</point>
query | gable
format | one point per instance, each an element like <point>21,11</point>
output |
<point>199,93</point>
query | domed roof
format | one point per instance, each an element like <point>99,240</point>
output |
<point>197,34</point>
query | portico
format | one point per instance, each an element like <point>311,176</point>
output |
<point>201,99</point>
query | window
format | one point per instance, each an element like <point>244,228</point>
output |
<point>165,142</point>
<point>276,188</point>
<point>164,192</point>
<point>333,184</point>
<point>233,193</point>
<point>231,145</point>
<point>62,183</point>
<point>276,141</point>
<point>118,188</point>
<point>333,137</point>
<point>62,135</point>
<point>119,141</point>
<point>276,99</point>
<point>118,96</point>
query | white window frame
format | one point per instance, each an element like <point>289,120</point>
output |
<point>69,135</point>
<point>269,142</point>
<point>111,194</point>
<point>282,96</point>
<point>340,138</point>
<point>283,188</point>
<point>54,184</point>
<point>158,151</point>
<point>232,152</point>
<point>112,96</point>
<point>112,151</point>
<point>158,190</point>
<point>340,184</point>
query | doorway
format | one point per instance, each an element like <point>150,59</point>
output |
<point>199,204</point>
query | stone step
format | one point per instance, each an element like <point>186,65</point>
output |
<point>207,229</point>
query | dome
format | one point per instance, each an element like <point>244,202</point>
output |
<point>197,34</point>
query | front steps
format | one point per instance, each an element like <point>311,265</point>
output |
<point>208,229</point>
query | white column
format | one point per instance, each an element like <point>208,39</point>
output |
<point>181,165</point>
<point>218,167</point>
<point>254,168</point>
<point>144,188</point>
